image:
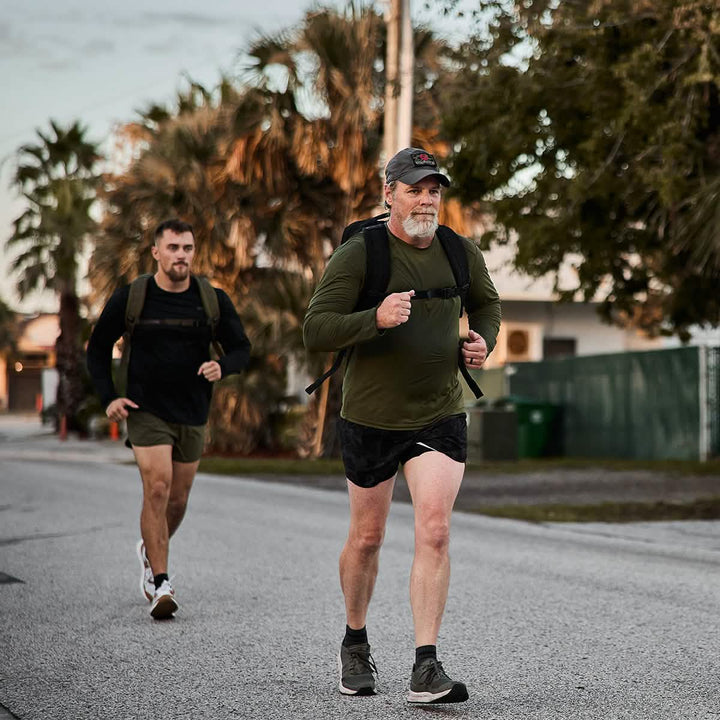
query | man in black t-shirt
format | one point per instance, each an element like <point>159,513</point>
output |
<point>169,388</point>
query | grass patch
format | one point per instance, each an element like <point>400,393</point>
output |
<point>270,466</point>
<point>295,466</point>
<point>531,465</point>
<point>610,512</point>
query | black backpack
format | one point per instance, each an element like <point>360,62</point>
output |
<point>133,310</point>
<point>377,277</point>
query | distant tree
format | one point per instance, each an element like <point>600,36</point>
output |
<point>58,181</point>
<point>8,328</point>
<point>592,130</point>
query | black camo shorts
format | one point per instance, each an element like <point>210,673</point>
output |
<point>372,455</point>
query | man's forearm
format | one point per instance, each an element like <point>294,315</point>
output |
<point>330,331</point>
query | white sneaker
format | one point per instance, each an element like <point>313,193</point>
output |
<point>147,586</point>
<point>164,603</point>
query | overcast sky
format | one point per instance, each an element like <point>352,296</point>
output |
<point>99,61</point>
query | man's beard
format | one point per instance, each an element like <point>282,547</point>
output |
<point>177,273</point>
<point>420,226</point>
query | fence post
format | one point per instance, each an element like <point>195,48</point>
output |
<point>703,399</point>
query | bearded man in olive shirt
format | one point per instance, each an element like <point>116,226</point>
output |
<point>402,404</point>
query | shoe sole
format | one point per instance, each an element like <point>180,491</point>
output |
<point>145,593</point>
<point>360,692</point>
<point>165,608</point>
<point>457,693</point>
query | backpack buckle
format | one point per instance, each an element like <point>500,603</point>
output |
<point>445,293</point>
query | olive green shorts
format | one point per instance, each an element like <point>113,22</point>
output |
<point>146,430</point>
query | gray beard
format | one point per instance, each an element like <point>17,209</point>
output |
<point>420,227</point>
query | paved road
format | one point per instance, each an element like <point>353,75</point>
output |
<point>587,622</point>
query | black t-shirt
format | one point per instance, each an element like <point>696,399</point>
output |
<point>164,359</point>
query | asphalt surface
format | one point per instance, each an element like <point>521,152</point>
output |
<point>543,621</point>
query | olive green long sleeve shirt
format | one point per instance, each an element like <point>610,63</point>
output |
<point>404,377</point>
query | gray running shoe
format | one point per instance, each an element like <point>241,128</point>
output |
<point>357,670</point>
<point>147,586</point>
<point>430,684</point>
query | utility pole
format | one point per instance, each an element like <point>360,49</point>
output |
<point>392,56</point>
<point>399,66</point>
<point>407,63</point>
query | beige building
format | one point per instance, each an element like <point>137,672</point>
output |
<point>23,373</point>
<point>536,326</point>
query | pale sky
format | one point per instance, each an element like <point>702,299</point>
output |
<point>99,61</point>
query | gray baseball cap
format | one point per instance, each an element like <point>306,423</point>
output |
<point>411,165</point>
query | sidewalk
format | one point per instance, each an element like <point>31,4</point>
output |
<point>24,437</point>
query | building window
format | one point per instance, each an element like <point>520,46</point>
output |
<point>559,347</point>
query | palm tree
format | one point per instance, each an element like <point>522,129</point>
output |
<point>58,180</point>
<point>269,172</point>
<point>175,172</point>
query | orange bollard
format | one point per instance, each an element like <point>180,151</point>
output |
<point>114,431</point>
<point>63,427</point>
<point>38,402</point>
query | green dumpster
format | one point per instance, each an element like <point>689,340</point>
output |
<point>539,426</point>
<point>491,434</point>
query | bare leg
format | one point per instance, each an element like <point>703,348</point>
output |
<point>156,471</point>
<point>434,481</point>
<point>369,508</point>
<point>183,475</point>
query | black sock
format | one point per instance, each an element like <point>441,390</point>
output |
<point>354,637</point>
<point>425,652</point>
<point>159,579</point>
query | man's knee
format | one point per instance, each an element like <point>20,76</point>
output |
<point>157,484</point>
<point>366,540</point>
<point>433,534</point>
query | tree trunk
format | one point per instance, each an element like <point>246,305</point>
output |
<point>69,359</point>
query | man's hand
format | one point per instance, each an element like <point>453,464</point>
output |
<point>210,370</point>
<point>394,310</point>
<point>474,350</point>
<point>117,411</point>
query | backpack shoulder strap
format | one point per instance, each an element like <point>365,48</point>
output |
<point>377,266</point>
<point>133,310</point>
<point>457,257</point>
<point>212,309</point>
<point>209,302</point>
<point>135,301</point>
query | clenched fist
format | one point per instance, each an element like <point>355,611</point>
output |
<point>474,350</point>
<point>394,310</point>
<point>210,370</point>
<point>117,409</point>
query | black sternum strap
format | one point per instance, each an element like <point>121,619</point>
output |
<point>174,322</point>
<point>445,293</point>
